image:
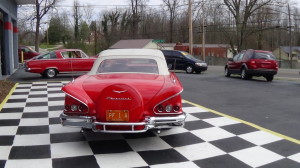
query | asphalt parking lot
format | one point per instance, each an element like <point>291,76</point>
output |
<point>31,136</point>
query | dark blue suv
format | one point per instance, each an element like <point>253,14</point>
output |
<point>180,60</point>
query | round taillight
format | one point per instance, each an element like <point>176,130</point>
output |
<point>81,108</point>
<point>168,108</point>
<point>67,107</point>
<point>160,108</point>
<point>74,107</point>
<point>176,108</point>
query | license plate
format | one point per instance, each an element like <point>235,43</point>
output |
<point>117,115</point>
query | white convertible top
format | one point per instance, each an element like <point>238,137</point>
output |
<point>132,53</point>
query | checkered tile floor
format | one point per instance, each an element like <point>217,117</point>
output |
<point>31,136</point>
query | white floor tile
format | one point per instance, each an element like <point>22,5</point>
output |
<point>29,163</point>
<point>194,110</point>
<point>56,95</point>
<point>18,97</point>
<point>34,121</point>
<point>21,90</point>
<point>199,151</point>
<point>36,109</point>
<point>14,105</point>
<point>260,137</point>
<point>9,130</point>
<point>295,157</point>
<point>4,116</point>
<point>70,149</point>
<point>220,121</point>
<point>4,152</point>
<point>38,92</point>
<point>58,128</point>
<point>127,159</point>
<point>56,103</point>
<point>148,144</point>
<point>172,131</point>
<point>176,165</point>
<point>54,114</point>
<point>42,99</point>
<point>212,134</point>
<point>31,140</point>
<point>189,117</point>
<point>256,156</point>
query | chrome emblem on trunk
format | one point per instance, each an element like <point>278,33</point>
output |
<point>118,98</point>
<point>121,91</point>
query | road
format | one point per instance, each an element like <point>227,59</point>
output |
<point>273,105</point>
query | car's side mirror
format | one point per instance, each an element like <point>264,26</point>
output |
<point>230,59</point>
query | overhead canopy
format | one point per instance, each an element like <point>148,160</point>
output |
<point>25,2</point>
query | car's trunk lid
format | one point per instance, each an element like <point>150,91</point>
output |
<point>121,97</point>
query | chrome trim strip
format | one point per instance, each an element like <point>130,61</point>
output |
<point>164,101</point>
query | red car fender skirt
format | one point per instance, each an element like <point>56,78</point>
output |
<point>119,103</point>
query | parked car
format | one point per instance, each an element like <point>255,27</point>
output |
<point>252,63</point>
<point>180,60</point>
<point>28,53</point>
<point>59,61</point>
<point>126,91</point>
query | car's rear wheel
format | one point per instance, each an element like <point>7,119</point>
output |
<point>189,69</point>
<point>269,78</point>
<point>50,73</point>
<point>227,73</point>
<point>244,74</point>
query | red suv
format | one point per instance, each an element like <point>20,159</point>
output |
<point>252,63</point>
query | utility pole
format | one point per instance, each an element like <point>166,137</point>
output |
<point>290,33</point>
<point>203,32</point>
<point>190,28</point>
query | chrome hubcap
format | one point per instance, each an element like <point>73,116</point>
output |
<point>51,72</point>
<point>189,69</point>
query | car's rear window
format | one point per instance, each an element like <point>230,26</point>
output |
<point>128,65</point>
<point>263,55</point>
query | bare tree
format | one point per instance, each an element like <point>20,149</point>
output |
<point>242,10</point>
<point>172,6</point>
<point>77,15</point>
<point>41,9</point>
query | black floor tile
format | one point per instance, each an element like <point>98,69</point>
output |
<point>139,135</point>
<point>56,98</point>
<point>283,147</point>
<point>56,108</point>
<point>12,110</point>
<point>16,100</point>
<point>223,161</point>
<point>2,163</point>
<point>162,156</point>
<point>44,129</point>
<point>283,163</point>
<point>205,115</point>
<point>6,140</point>
<point>109,146</point>
<point>30,152</point>
<point>238,129</point>
<point>54,121</point>
<point>75,162</point>
<point>182,139</point>
<point>34,104</point>
<point>9,122</point>
<point>67,137</point>
<point>232,144</point>
<point>38,96</point>
<point>35,115</point>
<point>194,125</point>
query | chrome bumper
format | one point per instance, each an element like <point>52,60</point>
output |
<point>149,123</point>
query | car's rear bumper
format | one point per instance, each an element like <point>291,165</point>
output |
<point>262,72</point>
<point>149,123</point>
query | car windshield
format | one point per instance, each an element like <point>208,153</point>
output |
<point>188,55</point>
<point>263,55</point>
<point>128,65</point>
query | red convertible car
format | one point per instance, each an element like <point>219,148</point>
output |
<point>59,61</point>
<point>126,91</point>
